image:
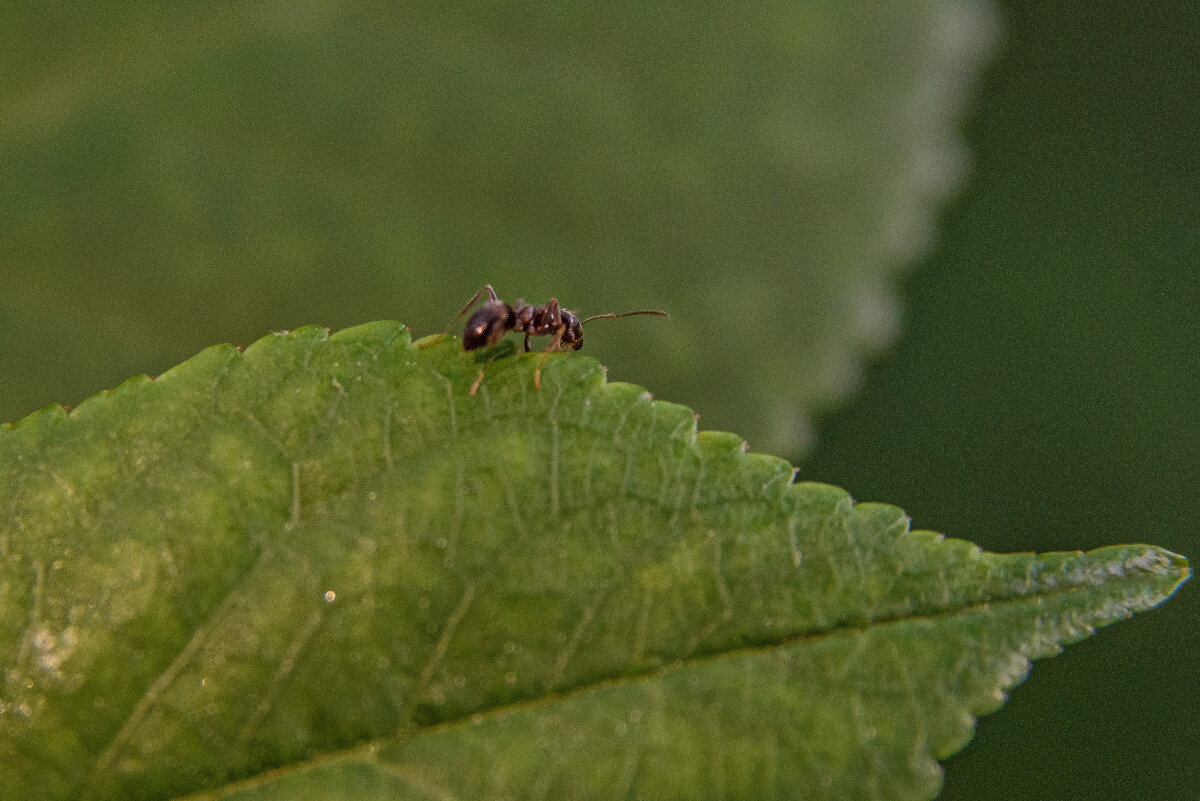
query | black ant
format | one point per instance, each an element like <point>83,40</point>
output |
<point>495,318</point>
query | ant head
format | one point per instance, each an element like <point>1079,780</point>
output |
<point>573,334</point>
<point>487,325</point>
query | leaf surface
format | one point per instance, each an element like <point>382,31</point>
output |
<point>322,569</point>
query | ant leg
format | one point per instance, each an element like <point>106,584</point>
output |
<point>491,295</point>
<point>527,348</point>
<point>554,347</point>
<point>478,380</point>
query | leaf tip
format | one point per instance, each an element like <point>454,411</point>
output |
<point>1159,561</point>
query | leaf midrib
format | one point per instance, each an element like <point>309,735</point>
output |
<point>364,752</point>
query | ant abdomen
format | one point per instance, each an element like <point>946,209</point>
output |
<point>488,325</point>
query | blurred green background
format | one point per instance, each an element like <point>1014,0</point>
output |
<point>177,175</point>
<point>1045,393</point>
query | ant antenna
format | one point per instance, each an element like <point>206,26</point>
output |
<point>611,315</point>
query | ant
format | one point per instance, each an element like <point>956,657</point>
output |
<point>495,318</point>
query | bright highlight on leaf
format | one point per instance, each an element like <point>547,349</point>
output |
<point>320,569</point>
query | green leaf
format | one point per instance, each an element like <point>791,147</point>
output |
<point>322,569</point>
<point>183,175</point>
